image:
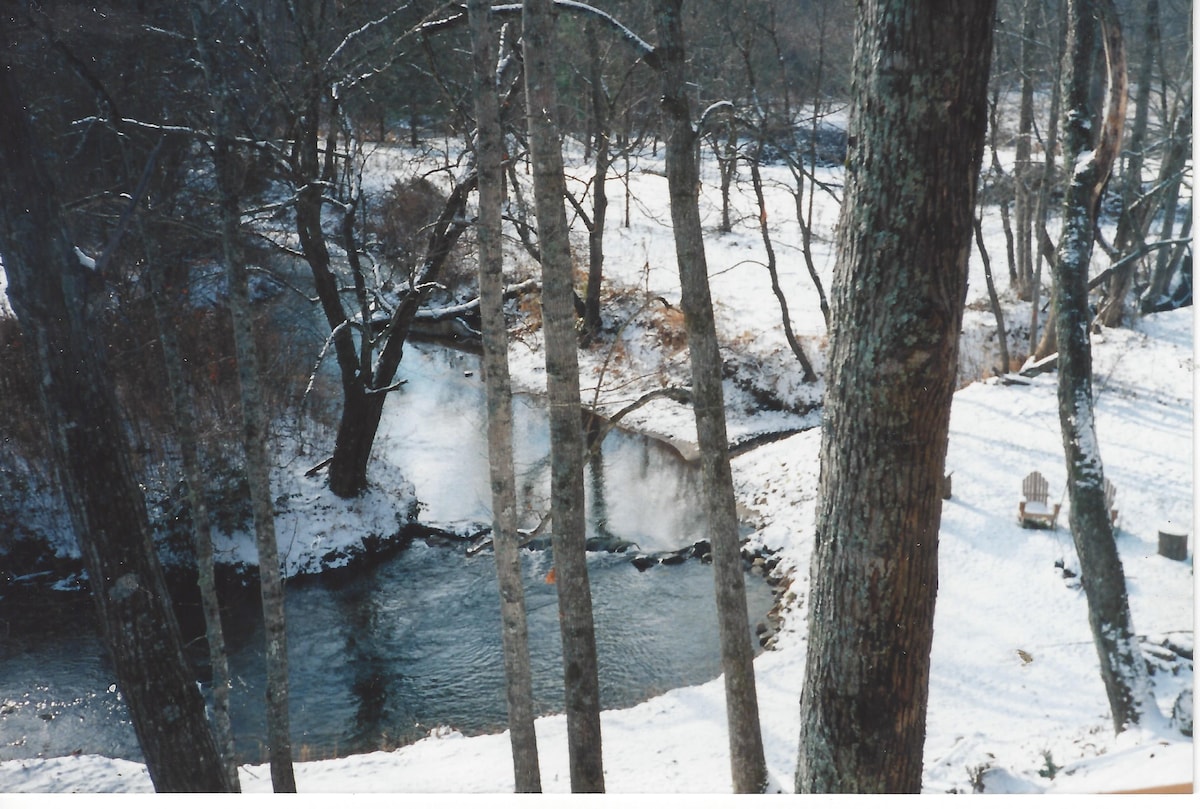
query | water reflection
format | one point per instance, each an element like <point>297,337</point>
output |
<point>434,431</point>
<point>378,660</point>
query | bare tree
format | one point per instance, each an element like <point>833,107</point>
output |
<point>773,270</point>
<point>737,655</point>
<point>600,115</point>
<point>183,412</point>
<point>1130,224</point>
<point>580,673</point>
<point>1045,345</point>
<point>489,149</point>
<point>917,125</point>
<point>230,175</point>
<point>1089,159</point>
<point>1169,184</point>
<point>1025,172</point>
<point>48,288</point>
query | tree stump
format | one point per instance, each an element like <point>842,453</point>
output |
<point>1172,542</point>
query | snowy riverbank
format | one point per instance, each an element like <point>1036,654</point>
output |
<point>1016,702</point>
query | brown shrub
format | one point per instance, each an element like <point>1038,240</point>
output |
<point>405,212</point>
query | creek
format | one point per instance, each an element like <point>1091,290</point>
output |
<point>380,658</point>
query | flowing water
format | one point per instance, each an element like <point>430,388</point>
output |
<point>379,659</point>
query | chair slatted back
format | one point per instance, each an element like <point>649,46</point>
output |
<point>1035,488</point>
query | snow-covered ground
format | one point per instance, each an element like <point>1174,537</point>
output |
<point>1016,702</point>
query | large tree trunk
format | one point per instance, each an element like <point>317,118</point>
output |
<point>683,178</point>
<point>918,119</point>
<point>48,289</point>
<point>359,421</point>
<point>581,678</point>
<point>489,154</point>
<point>1088,163</point>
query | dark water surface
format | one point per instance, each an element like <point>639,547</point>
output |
<point>378,659</point>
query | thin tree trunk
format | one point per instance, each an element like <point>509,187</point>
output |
<point>772,268</point>
<point>514,635</point>
<point>591,317</point>
<point>737,655</point>
<point>795,160</point>
<point>48,290</point>
<point>1048,343</point>
<point>1089,163</point>
<point>581,678</point>
<point>1006,195</point>
<point>918,120</point>
<point>1023,172</point>
<point>229,177</point>
<point>1129,225</point>
<point>726,155</point>
<point>1171,175</point>
<point>997,310</point>
<point>184,414</point>
<point>258,473</point>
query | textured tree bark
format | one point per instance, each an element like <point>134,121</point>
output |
<point>1089,161</point>
<point>918,120</point>
<point>489,155</point>
<point>581,678</point>
<point>49,291</point>
<point>683,179</point>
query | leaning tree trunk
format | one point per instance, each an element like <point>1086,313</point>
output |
<point>756,182</point>
<point>993,299</point>
<point>1129,226</point>
<point>581,678</point>
<point>183,412</point>
<point>48,289</point>
<point>683,179</point>
<point>514,635</point>
<point>918,120</point>
<point>1088,164</point>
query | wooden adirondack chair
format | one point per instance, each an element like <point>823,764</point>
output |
<point>1035,510</point>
